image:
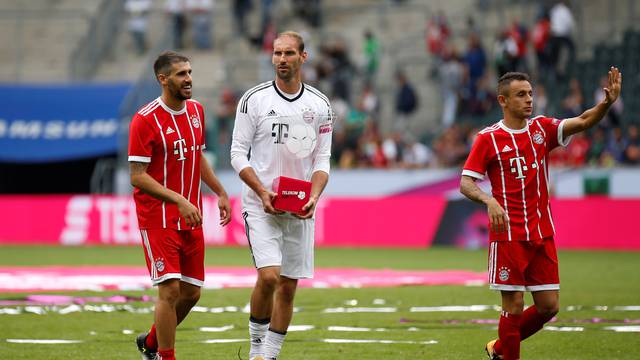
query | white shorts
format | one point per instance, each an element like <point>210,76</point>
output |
<point>281,240</point>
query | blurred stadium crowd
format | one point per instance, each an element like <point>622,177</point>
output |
<point>411,81</point>
<point>466,75</point>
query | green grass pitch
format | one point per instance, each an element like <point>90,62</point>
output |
<point>588,279</point>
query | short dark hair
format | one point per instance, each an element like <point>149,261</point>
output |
<point>294,35</point>
<point>163,63</point>
<point>506,79</point>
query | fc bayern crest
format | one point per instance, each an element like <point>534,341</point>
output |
<point>538,138</point>
<point>160,265</point>
<point>195,121</point>
<point>504,274</point>
<point>308,116</point>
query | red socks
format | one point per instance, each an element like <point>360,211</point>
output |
<point>509,332</point>
<point>168,354</point>
<point>152,342</point>
<point>530,323</point>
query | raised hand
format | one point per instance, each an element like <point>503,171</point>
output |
<point>614,85</point>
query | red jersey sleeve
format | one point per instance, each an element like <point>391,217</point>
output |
<point>553,132</point>
<point>478,160</point>
<point>141,138</point>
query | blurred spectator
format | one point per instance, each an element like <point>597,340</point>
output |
<point>518,32</point>
<point>505,52</point>
<point>540,100</point>
<point>449,148</point>
<point>415,154</point>
<point>617,144</point>
<point>201,12</point>
<point>451,74</point>
<point>476,62</point>
<point>613,117</point>
<point>176,11</point>
<point>573,104</point>
<point>484,100</point>
<point>562,46</point>
<point>309,10</point>
<point>577,150</point>
<point>138,12</point>
<point>339,69</point>
<point>266,15</point>
<point>392,149</point>
<point>406,101</point>
<point>368,101</point>
<point>240,10</point>
<point>436,34</point>
<point>372,54</point>
<point>597,150</point>
<point>632,151</point>
<point>540,38</point>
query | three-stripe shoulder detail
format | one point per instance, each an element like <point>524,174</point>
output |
<point>244,105</point>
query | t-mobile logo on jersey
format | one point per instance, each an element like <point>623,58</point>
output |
<point>179,147</point>
<point>280,133</point>
<point>520,167</point>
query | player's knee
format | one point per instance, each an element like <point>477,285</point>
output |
<point>191,297</point>
<point>286,291</point>
<point>169,293</point>
<point>549,310</point>
<point>268,280</point>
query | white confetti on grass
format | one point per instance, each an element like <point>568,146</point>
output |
<point>43,341</point>
<point>216,329</point>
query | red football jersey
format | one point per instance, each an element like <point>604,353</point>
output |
<point>517,164</point>
<point>172,143</point>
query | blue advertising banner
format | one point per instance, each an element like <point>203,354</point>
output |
<point>48,123</point>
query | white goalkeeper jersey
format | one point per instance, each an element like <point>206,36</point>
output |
<point>280,134</point>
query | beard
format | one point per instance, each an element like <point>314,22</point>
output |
<point>285,75</point>
<point>177,92</point>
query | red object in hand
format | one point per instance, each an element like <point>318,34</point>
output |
<point>291,194</point>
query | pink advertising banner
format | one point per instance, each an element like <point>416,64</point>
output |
<point>407,221</point>
<point>83,219</point>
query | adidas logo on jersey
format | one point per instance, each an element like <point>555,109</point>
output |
<point>506,148</point>
<point>272,113</point>
<point>170,130</point>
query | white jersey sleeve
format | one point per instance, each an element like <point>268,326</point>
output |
<point>321,161</point>
<point>243,133</point>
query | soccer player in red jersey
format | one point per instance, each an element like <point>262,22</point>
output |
<point>522,255</point>
<point>166,141</point>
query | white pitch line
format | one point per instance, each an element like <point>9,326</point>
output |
<point>300,328</point>
<point>628,328</point>
<point>356,329</point>
<point>564,328</point>
<point>224,341</point>
<point>43,341</point>
<point>471,308</point>
<point>361,310</point>
<point>372,341</point>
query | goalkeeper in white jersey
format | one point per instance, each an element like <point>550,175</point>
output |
<point>282,128</point>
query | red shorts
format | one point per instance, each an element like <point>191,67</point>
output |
<point>523,265</point>
<point>174,254</point>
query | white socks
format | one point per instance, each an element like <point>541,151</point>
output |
<point>257,335</point>
<point>273,344</point>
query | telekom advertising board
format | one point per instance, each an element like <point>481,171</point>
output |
<point>77,220</point>
<point>406,221</point>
